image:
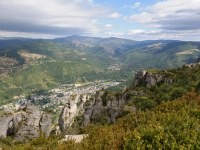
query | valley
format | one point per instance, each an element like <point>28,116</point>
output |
<point>55,99</point>
<point>99,75</point>
<point>34,65</point>
<point>153,101</point>
<point>81,85</point>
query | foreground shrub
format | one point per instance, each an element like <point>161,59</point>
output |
<point>171,125</point>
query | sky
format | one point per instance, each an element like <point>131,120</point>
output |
<point>132,19</point>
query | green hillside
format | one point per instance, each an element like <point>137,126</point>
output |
<point>36,78</point>
<point>107,51</point>
<point>171,123</point>
<point>162,55</point>
<point>29,65</point>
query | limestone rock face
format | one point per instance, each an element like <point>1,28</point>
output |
<point>150,79</point>
<point>72,109</point>
<point>139,77</point>
<point>30,126</point>
<point>45,124</point>
<point>5,122</point>
<point>105,108</point>
<point>27,123</point>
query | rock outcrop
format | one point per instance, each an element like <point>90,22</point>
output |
<point>107,107</point>
<point>72,109</point>
<point>4,125</point>
<point>149,79</point>
<point>76,138</point>
<point>25,124</point>
<point>104,108</point>
<point>192,65</point>
<point>139,77</point>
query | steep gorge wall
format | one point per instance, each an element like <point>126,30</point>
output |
<point>103,108</point>
<point>72,109</point>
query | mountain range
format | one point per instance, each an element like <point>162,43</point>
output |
<point>33,65</point>
<point>54,90</point>
<point>105,51</point>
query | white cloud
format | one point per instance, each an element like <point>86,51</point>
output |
<point>51,17</point>
<point>136,4</point>
<point>115,15</point>
<point>90,1</point>
<point>175,19</point>
<point>94,21</point>
<point>114,34</point>
<point>140,34</point>
<point>135,31</point>
<point>108,26</point>
<point>133,6</point>
<point>7,34</point>
<point>171,14</point>
<point>162,34</point>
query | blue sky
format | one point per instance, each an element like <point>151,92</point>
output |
<point>133,19</point>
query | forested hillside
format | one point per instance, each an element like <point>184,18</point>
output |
<point>167,111</point>
<point>44,64</point>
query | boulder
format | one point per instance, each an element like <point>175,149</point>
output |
<point>76,138</point>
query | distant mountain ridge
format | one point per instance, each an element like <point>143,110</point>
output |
<point>105,52</point>
<point>31,65</point>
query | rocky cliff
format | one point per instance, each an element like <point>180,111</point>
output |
<point>102,108</point>
<point>151,78</point>
<point>105,108</point>
<point>72,109</point>
<point>25,124</point>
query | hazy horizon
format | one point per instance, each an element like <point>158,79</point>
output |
<point>130,19</point>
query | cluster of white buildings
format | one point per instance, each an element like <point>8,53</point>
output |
<point>56,98</point>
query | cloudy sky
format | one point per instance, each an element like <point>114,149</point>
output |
<point>133,19</point>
